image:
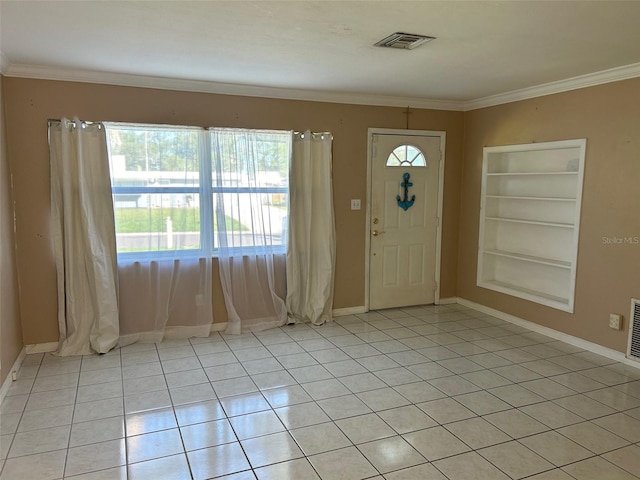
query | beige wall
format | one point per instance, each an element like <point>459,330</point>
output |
<point>607,115</point>
<point>29,103</point>
<point>10,329</point>
<point>608,276</point>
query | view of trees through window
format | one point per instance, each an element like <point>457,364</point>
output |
<point>166,182</point>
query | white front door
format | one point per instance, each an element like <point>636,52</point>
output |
<point>405,173</point>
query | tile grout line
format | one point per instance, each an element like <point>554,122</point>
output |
<point>372,373</point>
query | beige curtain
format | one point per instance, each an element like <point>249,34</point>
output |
<point>311,248</point>
<point>83,238</point>
<point>164,275</point>
<point>165,298</point>
<point>249,226</point>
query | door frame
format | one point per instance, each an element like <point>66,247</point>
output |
<point>401,132</point>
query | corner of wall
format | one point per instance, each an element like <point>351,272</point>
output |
<point>608,255</point>
<point>11,344</point>
<point>463,165</point>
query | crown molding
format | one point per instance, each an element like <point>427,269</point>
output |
<point>122,79</point>
<point>589,80</point>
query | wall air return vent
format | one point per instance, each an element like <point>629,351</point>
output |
<point>633,350</point>
<point>407,41</point>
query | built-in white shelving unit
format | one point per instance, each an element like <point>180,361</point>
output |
<point>530,219</point>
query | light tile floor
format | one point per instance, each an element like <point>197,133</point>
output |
<point>419,393</point>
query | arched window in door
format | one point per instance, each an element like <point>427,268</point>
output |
<point>406,156</point>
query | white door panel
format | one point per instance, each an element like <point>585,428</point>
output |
<point>403,243</point>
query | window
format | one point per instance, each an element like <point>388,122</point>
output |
<point>175,189</point>
<point>251,187</point>
<point>406,156</point>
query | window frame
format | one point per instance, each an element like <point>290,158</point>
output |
<point>206,190</point>
<point>407,163</point>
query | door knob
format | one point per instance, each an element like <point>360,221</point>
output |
<point>375,233</point>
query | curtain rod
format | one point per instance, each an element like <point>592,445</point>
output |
<point>51,121</point>
<point>314,134</point>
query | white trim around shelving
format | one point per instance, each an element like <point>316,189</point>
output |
<point>530,222</point>
<point>530,258</point>
<point>527,174</point>
<point>517,197</point>
<point>559,303</point>
<point>486,278</point>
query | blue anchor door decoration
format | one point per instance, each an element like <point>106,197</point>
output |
<point>405,203</point>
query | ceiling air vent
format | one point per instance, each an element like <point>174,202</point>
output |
<point>407,41</point>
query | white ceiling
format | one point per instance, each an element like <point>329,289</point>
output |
<point>483,48</point>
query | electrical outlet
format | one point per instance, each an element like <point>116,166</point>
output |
<point>615,321</point>
<point>355,204</point>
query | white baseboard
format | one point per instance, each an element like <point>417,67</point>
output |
<point>341,312</point>
<point>550,332</point>
<point>9,380</point>
<point>215,327</point>
<point>41,348</point>
<point>447,301</point>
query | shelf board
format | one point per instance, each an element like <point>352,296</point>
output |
<point>517,197</point>
<point>530,258</point>
<point>531,222</point>
<point>530,202</point>
<point>526,293</point>
<point>504,174</point>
